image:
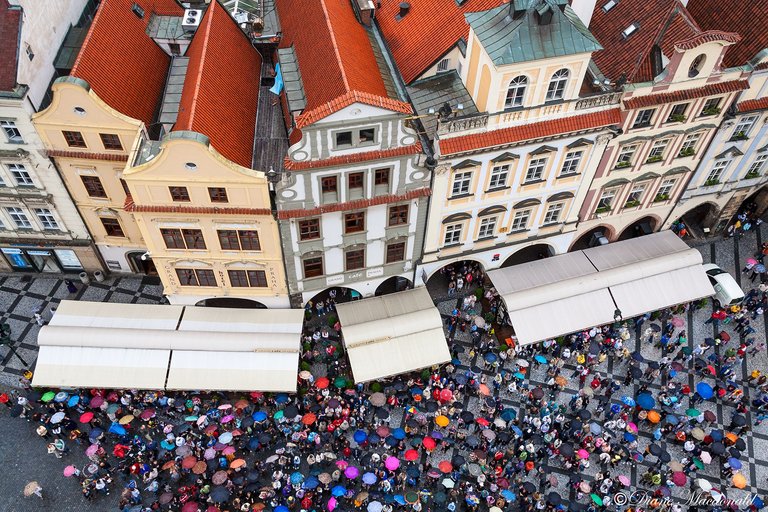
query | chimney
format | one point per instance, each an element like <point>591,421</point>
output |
<point>404,8</point>
<point>584,10</point>
<point>366,10</point>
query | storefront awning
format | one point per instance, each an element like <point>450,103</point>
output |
<point>570,292</point>
<point>393,334</point>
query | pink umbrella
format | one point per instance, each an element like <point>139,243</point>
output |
<point>583,454</point>
<point>332,503</point>
<point>624,480</point>
<point>342,464</point>
<point>91,450</point>
<point>229,450</point>
<point>224,407</point>
<point>69,470</point>
<point>147,414</point>
<point>679,478</point>
<point>227,418</point>
<point>96,401</point>
<point>751,261</point>
<point>351,472</point>
<point>678,322</point>
<point>632,427</point>
<point>209,453</point>
<point>392,463</point>
<point>190,506</point>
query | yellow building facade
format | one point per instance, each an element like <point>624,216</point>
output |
<point>207,223</point>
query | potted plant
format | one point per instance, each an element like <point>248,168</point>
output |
<point>660,197</point>
<point>654,158</point>
<point>686,152</point>
<point>676,118</point>
<point>711,111</point>
<point>623,164</point>
<point>740,136</point>
<point>752,174</point>
<point>603,209</point>
<point>711,183</point>
<point>632,203</point>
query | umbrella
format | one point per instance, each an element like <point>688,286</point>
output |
<point>31,488</point>
<point>704,390</point>
<point>58,417</point>
<point>225,438</point>
<point>69,470</point>
<point>583,454</point>
<point>442,421</point>
<point>309,418</point>
<point>429,443</point>
<point>739,420</point>
<point>219,477</point>
<point>554,499</point>
<point>369,478</point>
<point>126,419</point>
<point>628,401</point>
<point>677,321</point>
<point>490,357</point>
<point>360,436</point>
<point>188,462</point>
<point>95,401</point>
<point>692,412</point>
<point>351,472</point>
<point>445,466</point>
<point>734,463</point>
<point>296,478</point>
<point>637,356</point>
<point>322,383</point>
<point>508,414</point>
<point>705,485</point>
<point>597,499</point>
<point>411,455</point>
<point>199,467</point>
<point>219,494</point>
<point>739,481</point>
<point>118,429</point>
<point>705,457</point>
<point>522,363</point>
<point>398,434</point>
<point>73,400</point>
<point>679,478</point>
<point>259,416</point>
<point>646,401</point>
<point>190,506</point>
<point>595,428</point>
<point>378,399</point>
<point>339,491</point>
<point>653,417</point>
<point>540,359</point>
<point>392,463</point>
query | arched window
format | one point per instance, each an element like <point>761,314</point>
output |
<point>516,92</point>
<point>557,83</point>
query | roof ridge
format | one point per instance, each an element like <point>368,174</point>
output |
<point>654,40</point>
<point>332,33</point>
<point>203,54</point>
<point>94,24</point>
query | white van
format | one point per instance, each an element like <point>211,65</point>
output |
<point>727,290</point>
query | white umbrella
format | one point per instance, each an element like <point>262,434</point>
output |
<point>705,485</point>
<point>56,418</point>
<point>448,483</point>
<point>522,363</point>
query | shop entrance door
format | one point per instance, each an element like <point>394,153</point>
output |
<point>44,261</point>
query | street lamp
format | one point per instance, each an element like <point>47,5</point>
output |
<point>273,176</point>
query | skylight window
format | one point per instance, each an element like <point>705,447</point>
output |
<point>630,30</point>
<point>610,5</point>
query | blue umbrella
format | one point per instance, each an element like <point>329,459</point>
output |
<point>259,416</point>
<point>645,401</point>
<point>374,438</point>
<point>704,390</point>
<point>253,444</point>
<point>61,396</point>
<point>508,495</point>
<point>672,419</point>
<point>717,435</point>
<point>415,390</point>
<point>400,499</point>
<point>391,441</point>
<point>73,400</point>
<point>540,359</point>
<point>281,398</point>
<point>398,433</point>
<point>167,445</point>
<point>627,401</point>
<point>615,408</point>
<point>734,463</point>
<point>758,503</point>
<point>117,428</point>
<point>629,437</point>
<point>518,375</point>
<point>517,430</point>
<point>339,490</point>
<point>296,478</point>
<point>759,268</point>
<point>490,357</point>
<point>508,414</point>
<point>360,436</point>
<point>281,508</point>
<point>311,483</point>
<point>369,478</point>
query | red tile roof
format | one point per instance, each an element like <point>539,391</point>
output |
<point>88,155</point>
<point>354,205</point>
<point>10,30</point>
<point>751,105</point>
<point>747,18</point>
<point>687,94</point>
<point>221,88</point>
<point>336,61</point>
<point>427,32</point>
<point>542,129</point>
<point>662,22</point>
<point>120,62</point>
<point>367,156</point>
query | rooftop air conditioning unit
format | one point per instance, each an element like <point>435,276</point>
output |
<point>191,20</point>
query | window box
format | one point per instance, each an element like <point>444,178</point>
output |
<point>631,204</point>
<point>686,152</point>
<point>676,118</point>
<point>711,183</point>
<point>653,159</point>
<point>603,209</point>
<point>712,111</point>
<point>751,175</point>
<point>623,165</point>
<point>460,196</point>
<point>661,197</point>
<point>740,136</point>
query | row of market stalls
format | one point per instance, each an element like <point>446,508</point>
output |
<point>137,346</point>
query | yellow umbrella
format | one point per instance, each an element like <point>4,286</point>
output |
<point>442,421</point>
<point>126,419</point>
<point>739,481</point>
<point>31,488</point>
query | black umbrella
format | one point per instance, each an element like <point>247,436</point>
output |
<point>264,438</point>
<point>381,413</point>
<point>576,424</point>
<point>212,464</point>
<point>439,497</point>
<point>584,414</point>
<point>740,444</point>
<point>710,342</point>
<point>655,449</point>
<point>238,480</point>
<point>253,476</point>
<point>637,356</point>
<point>734,452</point>
<point>537,392</point>
<point>180,429</point>
<point>412,471</point>
<point>412,423</point>
<point>467,417</point>
<point>529,487</point>
<point>291,412</point>
<point>554,499</point>
<point>635,372</point>
<point>739,420</point>
<point>247,422</point>
<point>503,437</point>
<point>653,364</point>
<point>431,406</point>
<point>391,441</point>
<point>473,441</point>
<point>458,460</point>
<point>16,410</point>
<point>656,327</point>
<point>717,448</point>
<point>458,348</point>
<point>594,347</point>
<point>665,457</point>
<point>490,402</point>
<point>219,494</point>
<point>566,450</point>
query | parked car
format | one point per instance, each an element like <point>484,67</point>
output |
<point>727,290</point>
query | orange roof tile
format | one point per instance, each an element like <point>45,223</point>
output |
<point>335,57</point>
<point>748,19</point>
<point>10,28</point>
<point>542,129</point>
<point>751,105</point>
<point>661,22</point>
<point>353,158</point>
<point>427,32</point>
<point>687,94</point>
<point>357,204</point>
<point>221,89</point>
<point>120,62</point>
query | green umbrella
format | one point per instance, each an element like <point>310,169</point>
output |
<point>376,387</point>
<point>687,351</point>
<point>278,414</point>
<point>411,497</point>
<point>597,499</point>
<point>48,397</point>
<point>692,412</point>
<point>340,382</point>
<point>698,463</point>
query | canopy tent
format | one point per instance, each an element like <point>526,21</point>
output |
<point>251,350</point>
<point>93,344</point>
<point>392,334</point>
<point>578,290</point>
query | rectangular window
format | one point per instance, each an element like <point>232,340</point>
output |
<point>665,189</point>
<point>248,278</point>
<point>343,140</point>
<point>354,259</point>
<point>657,150</point>
<point>535,169</point>
<point>461,183</point>
<point>452,234</point>
<point>46,218</point>
<point>19,218</point>
<point>499,175</point>
<point>553,213</point>
<point>743,127</point>
<point>571,163</point>
<point>521,219</point>
<point>12,133</point>
<point>329,186</point>
<point>111,141</point>
<point>74,139</point>
<point>183,238</point>
<point>626,154</point>
<point>756,169</point>
<point>196,277</point>
<point>313,267</point>
<point>635,196</point>
<point>228,240</point>
<point>206,277</point>
<point>193,238</point>
<point>395,252</point>
<point>717,172</point>
<point>93,186</point>
<point>20,175</point>
<point>711,107</point>
<point>689,145</point>
<point>381,177</point>
<point>398,215</point>
<point>112,226</point>
<point>355,180</point>
<point>238,278</point>
<point>677,114</point>
<point>309,229</point>
<point>367,136</point>
<point>604,204</point>
<point>173,238</point>
<point>354,222</point>
<point>249,240</point>
<point>180,194</point>
<point>487,227</point>
<point>218,194</point>
<point>257,278</point>
<point>443,65</point>
<point>644,118</point>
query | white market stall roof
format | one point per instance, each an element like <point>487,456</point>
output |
<point>566,293</point>
<point>392,334</point>
<point>94,344</point>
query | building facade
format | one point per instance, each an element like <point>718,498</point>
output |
<point>40,228</point>
<point>352,197</point>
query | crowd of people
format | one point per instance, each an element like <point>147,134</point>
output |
<point>500,428</point>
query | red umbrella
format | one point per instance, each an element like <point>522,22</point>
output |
<point>189,462</point>
<point>411,455</point>
<point>429,443</point>
<point>482,421</point>
<point>190,506</point>
<point>446,395</point>
<point>679,478</point>
<point>445,466</point>
<point>725,336</point>
<point>322,383</point>
<point>86,417</point>
<point>308,418</point>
